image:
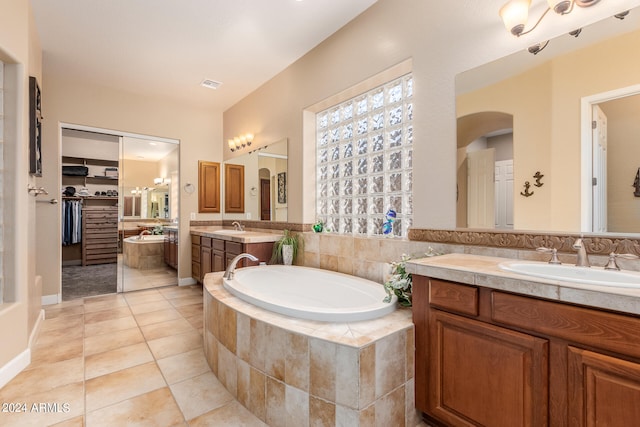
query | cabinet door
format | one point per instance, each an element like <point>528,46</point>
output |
<point>208,187</point>
<point>482,374</point>
<point>217,260</point>
<point>205,262</point>
<point>603,390</point>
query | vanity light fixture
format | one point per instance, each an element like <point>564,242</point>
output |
<point>239,142</point>
<point>515,13</point>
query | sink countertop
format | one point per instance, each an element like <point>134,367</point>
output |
<point>484,271</point>
<point>246,237</point>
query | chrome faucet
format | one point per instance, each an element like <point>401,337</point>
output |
<point>583,258</point>
<point>613,265</point>
<point>228,273</point>
<point>237,226</point>
<point>142,233</point>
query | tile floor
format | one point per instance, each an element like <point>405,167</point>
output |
<point>133,279</point>
<point>122,360</point>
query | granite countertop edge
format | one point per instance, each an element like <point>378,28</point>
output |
<point>484,271</point>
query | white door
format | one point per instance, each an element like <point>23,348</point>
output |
<point>504,193</point>
<point>599,138</point>
<point>481,189</point>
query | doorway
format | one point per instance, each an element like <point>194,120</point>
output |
<point>609,161</point>
<point>120,187</point>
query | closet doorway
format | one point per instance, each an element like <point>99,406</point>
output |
<point>119,212</point>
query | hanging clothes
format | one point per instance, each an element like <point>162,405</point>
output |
<point>71,222</point>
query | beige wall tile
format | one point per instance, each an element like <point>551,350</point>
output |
<point>228,369</point>
<point>275,403</point>
<point>211,321</point>
<point>338,245</point>
<point>258,344</point>
<point>390,409</point>
<point>347,417</point>
<point>227,324</point>
<point>322,369</point>
<point>368,416</point>
<point>296,407</point>
<point>297,361</point>
<point>328,262</point>
<point>211,352</point>
<point>243,381</point>
<point>411,353</point>
<point>311,242</point>
<point>275,355</point>
<point>347,376</point>
<point>367,375</point>
<point>257,395</point>
<point>345,265</point>
<point>321,412</point>
<point>243,340</point>
<point>390,363</point>
<point>412,415</point>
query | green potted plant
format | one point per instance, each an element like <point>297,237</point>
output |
<point>285,249</point>
<point>400,282</point>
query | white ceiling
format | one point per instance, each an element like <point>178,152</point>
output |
<point>165,48</point>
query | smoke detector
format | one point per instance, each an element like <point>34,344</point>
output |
<point>211,84</point>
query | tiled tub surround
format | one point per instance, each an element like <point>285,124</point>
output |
<point>484,271</point>
<point>370,257</point>
<point>143,254</point>
<point>292,372</point>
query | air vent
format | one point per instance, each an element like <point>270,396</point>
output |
<point>211,84</point>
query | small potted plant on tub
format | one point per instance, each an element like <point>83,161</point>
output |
<point>285,249</point>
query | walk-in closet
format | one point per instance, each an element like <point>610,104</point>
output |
<point>119,207</point>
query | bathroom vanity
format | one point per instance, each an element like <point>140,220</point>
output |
<point>213,248</point>
<point>498,348</point>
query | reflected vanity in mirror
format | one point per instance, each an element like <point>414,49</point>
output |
<point>265,174</point>
<point>527,114</point>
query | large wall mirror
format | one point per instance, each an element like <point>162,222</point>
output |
<point>527,156</point>
<point>265,183</point>
<point>149,182</point>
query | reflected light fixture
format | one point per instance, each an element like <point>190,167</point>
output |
<point>239,142</point>
<point>515,13</point>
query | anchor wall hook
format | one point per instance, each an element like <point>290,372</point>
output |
<point>538,176</point>
<point>526,192</point>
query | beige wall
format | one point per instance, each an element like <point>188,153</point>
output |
<point>21,53</point>
<point>73,102</point>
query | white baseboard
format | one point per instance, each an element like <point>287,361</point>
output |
<point>14,367</point>
<point>186,281</point>
<point>51,299</point>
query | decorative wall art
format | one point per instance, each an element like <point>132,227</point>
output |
<point>282,187</point>
<point>35,128</point>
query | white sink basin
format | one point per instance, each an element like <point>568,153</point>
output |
<point>571,273</point>
<point>230,231</point>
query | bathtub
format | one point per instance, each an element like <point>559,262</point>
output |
<point>146,238</point>
<point>143,254</point>
<point>310,293</point>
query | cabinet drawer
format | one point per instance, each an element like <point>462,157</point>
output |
<point>234,248</point>
<point>195,239</point>
<point>205,242</point>
<point>454,297</point>
<point>195,253</point>
<point>600,329</point>
<point>217,244</point>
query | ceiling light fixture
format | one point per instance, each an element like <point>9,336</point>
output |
<point>240,142</point>
<point>515,13</point>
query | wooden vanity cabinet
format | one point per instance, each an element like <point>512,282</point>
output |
<point>171,248</point>
<point>488,357</point>
<point>210,255</point>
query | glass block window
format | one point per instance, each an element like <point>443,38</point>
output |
<point>364,161</point>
